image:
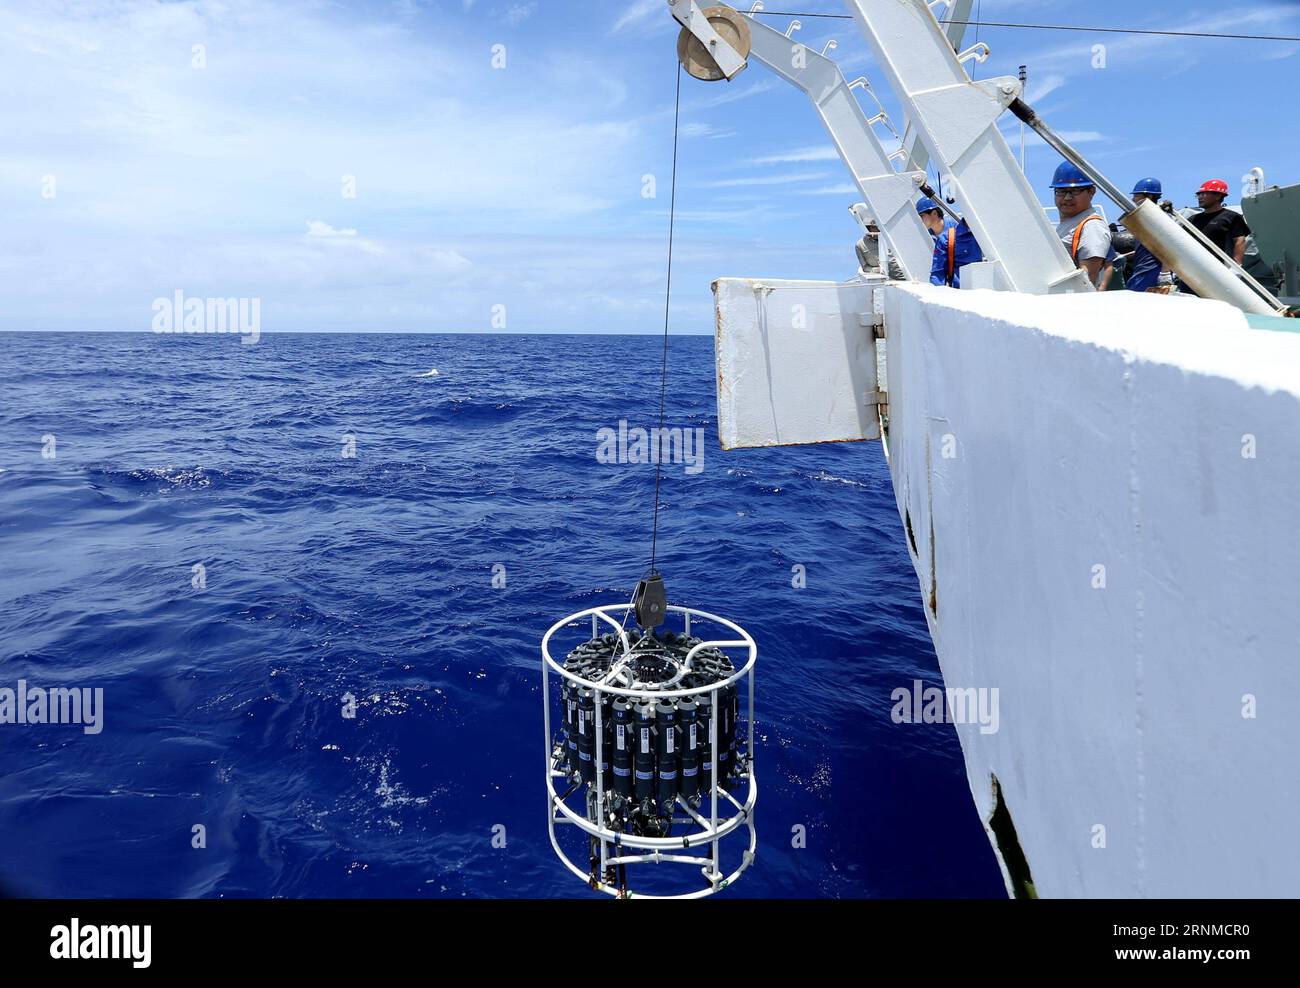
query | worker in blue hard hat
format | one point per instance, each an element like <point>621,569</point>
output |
<point>931,215</point>
<point>1143,266</point>
<point>1149,187</point>
<point>954,244</point>
<point>1081,227</point>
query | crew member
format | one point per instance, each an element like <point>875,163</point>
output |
<point>1225,228</point>
<point>1081,227</point>
<point>1108,266</point>
<point>931,215</point>
<point>1144,267</point>
<point>869,249</point>
<point>954,244</point>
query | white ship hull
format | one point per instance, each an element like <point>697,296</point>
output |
<point>1099,495</point>
<point>1158,439</point>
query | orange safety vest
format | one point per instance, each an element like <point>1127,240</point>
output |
<point>1078,235</point>
<point>952,239</point>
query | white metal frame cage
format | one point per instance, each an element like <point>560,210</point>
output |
<point>618,682</point>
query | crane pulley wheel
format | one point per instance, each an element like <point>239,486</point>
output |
<point>694,54</point>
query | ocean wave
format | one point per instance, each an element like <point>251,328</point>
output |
<point>168,479</point>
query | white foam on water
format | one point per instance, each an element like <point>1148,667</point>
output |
<point>431,372</point>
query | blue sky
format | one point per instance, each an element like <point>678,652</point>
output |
<point>519,186</point>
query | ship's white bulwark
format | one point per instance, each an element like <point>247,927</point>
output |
<point>1102,493</point>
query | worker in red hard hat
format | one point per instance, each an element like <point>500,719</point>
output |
<point>1226,228</point>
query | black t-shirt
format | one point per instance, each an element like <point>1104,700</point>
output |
<point>1222,227</point>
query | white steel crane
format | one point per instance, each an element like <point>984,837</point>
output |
<point>956,119</point>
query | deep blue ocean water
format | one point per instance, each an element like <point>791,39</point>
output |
<point>373,575</point>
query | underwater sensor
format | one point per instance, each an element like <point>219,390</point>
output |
<point>632,767</point>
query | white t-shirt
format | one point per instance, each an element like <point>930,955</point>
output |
<point>1095,239</point>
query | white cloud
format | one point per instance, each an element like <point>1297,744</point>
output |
<point>788,179</point>
<point>517,13</point>
<point>325,232</point>
<point>1074,57</point>
<point>1082,136</point>
<point>232,175</point>
<point>844,189</point>
<point>1011,131</point>
<point>824,152</point>
<point>640,13</point>
<point>732,92</point>
<point>315,228</point>
<point>704,130</point>
<point>1039,88</point>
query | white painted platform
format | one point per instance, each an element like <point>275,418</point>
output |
<point>796,362</point>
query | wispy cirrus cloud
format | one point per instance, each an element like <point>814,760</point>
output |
<point>788,179</point>
<point>842,189</point>
<point>704,130</point>
<point>733,92</point>
<point>1039,89</point>
<point>642,14</point>
<point>517,13</point>
<point>821,152</point>
<point>1080,55</point>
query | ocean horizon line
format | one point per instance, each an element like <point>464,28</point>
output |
<point>350,332</point>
